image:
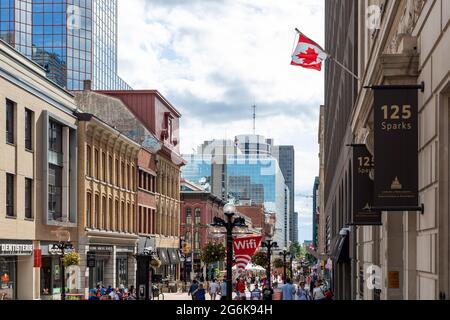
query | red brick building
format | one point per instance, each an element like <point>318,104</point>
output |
<point>198,209</point>
<point>261,219</point>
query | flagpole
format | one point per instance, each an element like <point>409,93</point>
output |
<point>336,61</point>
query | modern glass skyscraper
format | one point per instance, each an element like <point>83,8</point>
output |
<point>74,40</point>
<point>250,177</point>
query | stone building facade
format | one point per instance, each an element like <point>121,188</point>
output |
<point>107,202</point>
<point>408,256</point>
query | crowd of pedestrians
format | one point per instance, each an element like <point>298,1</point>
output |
<point>246,287</point>
<point>121,293</point>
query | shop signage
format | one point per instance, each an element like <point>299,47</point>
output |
<point>124,249</point>
<point>396,147</point>
<point>90,257</point>
<point>16,248</point>
<point>363,166</point>
<point>54,251</point>
<point>100,248</point>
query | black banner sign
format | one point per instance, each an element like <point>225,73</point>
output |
<point>363,165</point>
<point>396,147</point>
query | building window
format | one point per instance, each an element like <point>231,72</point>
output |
<point>96,223</point>
<point>122,217</point>
<point>196,240</point>
<point>96,165</point>
<point>88,161</point>
<point>198,216</point>
<point>117,173</point>
<point>55,137</point>
<point>54,192</point>
<point>28,198</point>
<point>122,180</point>
<point>104,166</point>
<point>117,213</point>
<point>188,215</point>
<point>88,210</point>
<point>10,195</point>
<point>111,170</point>
<point>111,216</point>
<point>103,216</point>
<point>29,116</point>
<point>9,122</point>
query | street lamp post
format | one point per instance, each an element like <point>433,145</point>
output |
<point>290,265</point>
<point>61,248</point>
<point>229,225</point>
<point>269,244</point>
<point>284,254</point>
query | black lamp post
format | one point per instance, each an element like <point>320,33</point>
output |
<point>61,248</point>
<point>269,244</point>
<point>292,256</point>
<point>284,254</point>
<point>229,225</point>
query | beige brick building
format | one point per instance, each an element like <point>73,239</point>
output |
<point>409,256</point>
<point>38,146</point>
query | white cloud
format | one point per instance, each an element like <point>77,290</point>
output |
<point>222,56</point>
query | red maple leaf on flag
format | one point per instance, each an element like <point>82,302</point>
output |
<point>309,57</point>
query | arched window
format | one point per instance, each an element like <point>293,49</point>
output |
<point>188,215</point>
<point>198,214</point>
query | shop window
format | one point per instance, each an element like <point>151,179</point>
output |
<point>8,268</point>
<point>122,272</point>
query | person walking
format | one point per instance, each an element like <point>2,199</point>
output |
<point>288,290</point>
<point>256,293</point>
<point>192,289</point>
<point>200,292</point>
<point>302,294</point>
<point>213,289</point>
<point>240,288</point>
<point>223,290</point>
<point>318,292</point>
<point>267,293</point>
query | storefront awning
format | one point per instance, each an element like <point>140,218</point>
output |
<point>163,256</point>
<point>340,249</point>
<point>173,256</point>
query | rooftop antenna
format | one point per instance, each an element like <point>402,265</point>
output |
<point>254,119</point>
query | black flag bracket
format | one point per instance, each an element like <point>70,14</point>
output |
<point>420,209</point>
<point>420,87</point>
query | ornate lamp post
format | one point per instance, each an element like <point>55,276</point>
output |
<point>61,248</point>
<point>284,254</point>
<point>230,226</point>
<point>269,244</point>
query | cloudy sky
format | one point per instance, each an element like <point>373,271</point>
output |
<point>213,59</point>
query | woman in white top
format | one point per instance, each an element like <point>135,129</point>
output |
<point>318,292</point>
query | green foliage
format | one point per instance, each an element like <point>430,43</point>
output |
<point>155,263</point>
<point>213,252</point>
<point>71,259</point>
<point>278,263</point>
<point>260,259</point>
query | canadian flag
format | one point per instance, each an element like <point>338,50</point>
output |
<point>308,54</point>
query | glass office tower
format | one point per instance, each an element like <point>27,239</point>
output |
<point>250,177</point>
<point>74,40</point>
